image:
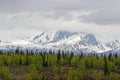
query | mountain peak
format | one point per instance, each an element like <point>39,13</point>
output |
<point>52,36</point>
<point>63,40</point>
<point>91,39</point>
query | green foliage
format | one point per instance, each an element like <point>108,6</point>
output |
<point>73,75</point>
<point>4,73</point>
<point>75,61</point>
<point>33,73</point>
<point>55,70</point>
<point>52,60</point>
<point>61,62</point>
<point>61,66</point>
<point>113,76</point>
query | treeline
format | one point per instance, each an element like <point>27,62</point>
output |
<point>62,65</point>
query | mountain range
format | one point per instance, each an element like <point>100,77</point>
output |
<point>63,40</point>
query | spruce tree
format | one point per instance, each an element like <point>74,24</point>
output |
<point>106,71</point>
<point>58,56</point>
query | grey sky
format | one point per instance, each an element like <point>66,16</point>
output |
<point>29,17</point>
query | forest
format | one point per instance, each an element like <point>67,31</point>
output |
<point>19,65</point>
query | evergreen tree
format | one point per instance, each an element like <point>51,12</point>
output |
<point>110,57</point>
<point>106,71</point>
<point>27,61</point>
<point>58,56</point>
<point>116,55</point>
<point>71,56</point>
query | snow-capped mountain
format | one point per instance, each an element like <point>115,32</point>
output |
<point>113,44</point>
<point>63,40</point>
<point>52,36</point>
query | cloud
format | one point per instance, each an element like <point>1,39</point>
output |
<point>39,20</point>
<point>52,5</point>
<point>102,17</point>
<point>106,11</point>
<point>75,15</point>
<point>40,5</point>
<point>23,23</point>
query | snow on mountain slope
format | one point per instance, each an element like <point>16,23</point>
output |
<point>21,44</point>
<point>52,36</point>
<point>63,40</point>
<point>114,51</point>
<point>78,42</point>
<point>66,40</point>
<point>113,44</point>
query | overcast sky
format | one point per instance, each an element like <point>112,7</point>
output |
<point>22,18</point>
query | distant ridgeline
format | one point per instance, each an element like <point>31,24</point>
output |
<point>76,42</point>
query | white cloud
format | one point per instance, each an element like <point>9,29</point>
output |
<point>28,17</point>
<point>27,24</point>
